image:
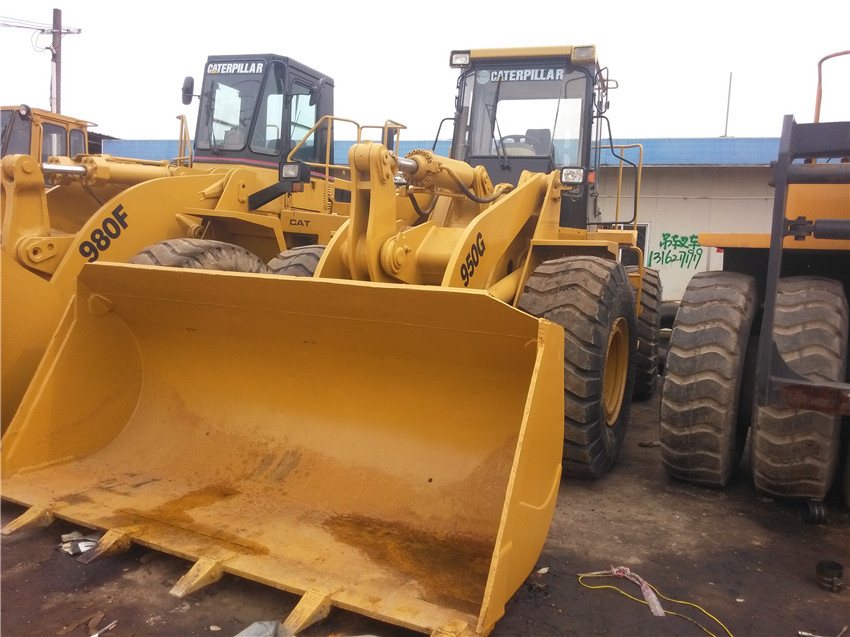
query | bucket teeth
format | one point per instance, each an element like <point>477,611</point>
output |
<point>313,607</point>
<point>205,571</point>
<point>114,542</point>
<point>32,518</point>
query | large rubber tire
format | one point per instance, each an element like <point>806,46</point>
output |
<point>647,359</point>
<point>301,261</point>
<point>846,482</point>
<point>705,414</point>
<point>795,452</point>
<point>591,298</point>
<point>200,254</point>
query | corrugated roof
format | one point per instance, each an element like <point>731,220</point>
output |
<point>718,151</point>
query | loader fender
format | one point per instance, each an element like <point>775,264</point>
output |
<point>138,217</point>
<point>395,450</point>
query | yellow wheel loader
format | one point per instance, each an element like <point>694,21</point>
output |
<point>224,210</point>
<point>31,131</point>
<point>760,348</point>
<point>40,134</point>
<point>381,423</point>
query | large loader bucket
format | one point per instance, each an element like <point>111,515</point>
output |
<point>391,450</point>
<point>30,311</point>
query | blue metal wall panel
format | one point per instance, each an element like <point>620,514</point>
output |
<point>155,149</point>
<point>721,151</point>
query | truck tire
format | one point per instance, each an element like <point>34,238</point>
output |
<point>301,261</point>
<point>592,299</point>
<point>647,359</point>
<point>794,452</point>
<point>200,254</point>
<point>706,405</point>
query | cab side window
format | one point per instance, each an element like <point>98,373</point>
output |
<point>303,118</point>
<point>78,143</point>
<point>269,132</point>
<point>54,141</point>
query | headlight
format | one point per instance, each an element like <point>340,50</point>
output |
<point>584,54</point>
<point>572,176</point>
<point>459,59</point>
<point>295,171</point>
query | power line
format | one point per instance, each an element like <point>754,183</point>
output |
<point>36,26</point>
<point>57,31</point>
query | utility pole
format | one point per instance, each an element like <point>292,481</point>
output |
<point>57,31</point>
<point>56,61</point>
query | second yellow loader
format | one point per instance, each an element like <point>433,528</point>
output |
<point>227,210</point>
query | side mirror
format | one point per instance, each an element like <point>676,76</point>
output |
<point>316,92</point>
<point>188,90</point>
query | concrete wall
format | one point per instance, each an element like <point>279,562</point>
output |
<point>679,202</point>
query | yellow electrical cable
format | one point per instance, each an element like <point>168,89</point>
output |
<point>675,601</point>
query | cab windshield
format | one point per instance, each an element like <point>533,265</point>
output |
<point>228,98</point>
<point>16,134</point>
<point>513,112</point>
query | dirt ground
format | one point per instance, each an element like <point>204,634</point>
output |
<point>747,560</point>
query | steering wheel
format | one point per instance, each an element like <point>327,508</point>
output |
<point>523,139</point>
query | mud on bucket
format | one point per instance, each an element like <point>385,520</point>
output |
<point>394,449</point>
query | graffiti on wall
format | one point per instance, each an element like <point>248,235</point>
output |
<point>674,249</point>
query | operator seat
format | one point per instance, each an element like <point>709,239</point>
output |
<point>234,139</point>
<point>542,138</point>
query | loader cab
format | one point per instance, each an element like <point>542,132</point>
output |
<point>41,134</point>
<point>530,109</point>
<point>254,109</point>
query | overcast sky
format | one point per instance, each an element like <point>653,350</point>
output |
<point>672,59</point>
